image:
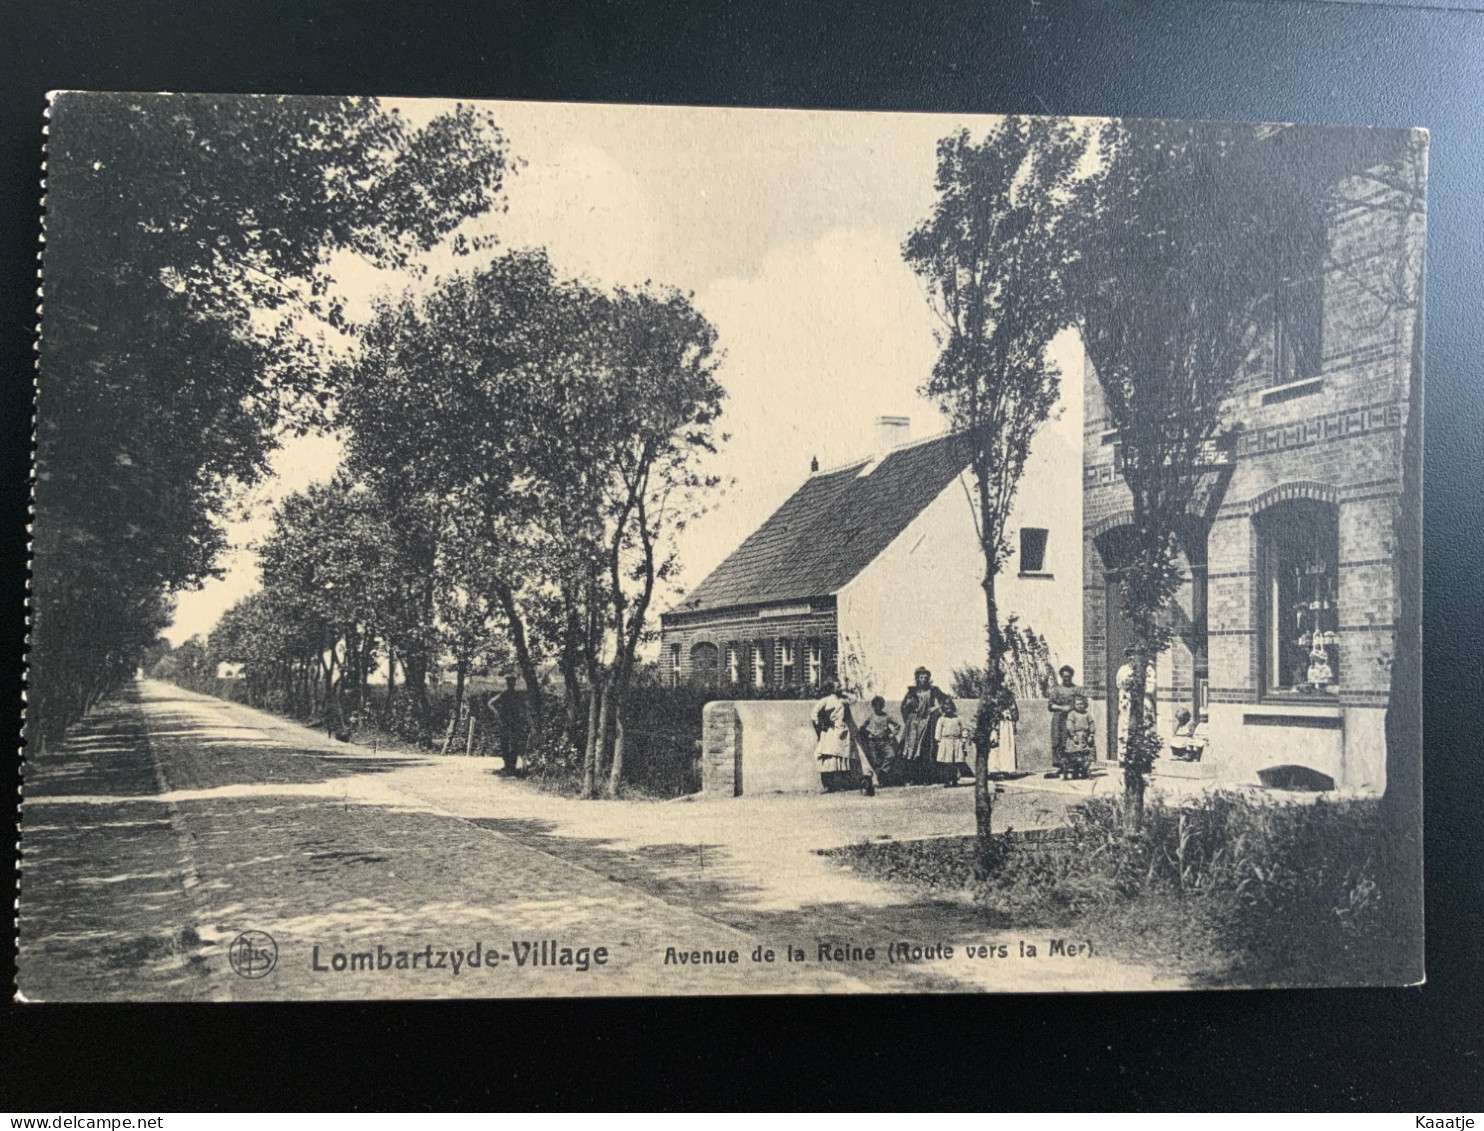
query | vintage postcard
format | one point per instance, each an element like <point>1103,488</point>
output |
<point>492,549</point>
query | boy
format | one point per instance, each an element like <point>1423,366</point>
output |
<point>879,737</point>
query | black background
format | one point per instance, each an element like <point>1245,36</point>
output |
<point>1289,60</point>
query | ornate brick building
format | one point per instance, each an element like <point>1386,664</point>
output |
<point>1286,624</point>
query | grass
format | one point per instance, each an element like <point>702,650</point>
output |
<point>1229,889</point>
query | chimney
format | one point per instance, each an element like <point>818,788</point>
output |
<point>891,432</point>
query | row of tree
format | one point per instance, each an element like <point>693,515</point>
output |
<point>188,241</point>
<point>522,451</point>
<point>1166,246</point>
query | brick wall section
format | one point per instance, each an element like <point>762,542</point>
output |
<point>745,628</point>
<point>721,750</point>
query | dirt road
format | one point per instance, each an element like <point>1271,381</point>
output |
<point>178,846</point>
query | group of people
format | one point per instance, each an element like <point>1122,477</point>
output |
<point>1074,733</point>
<point>930,746</point>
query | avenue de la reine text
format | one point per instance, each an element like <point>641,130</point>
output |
<point>893,953</point>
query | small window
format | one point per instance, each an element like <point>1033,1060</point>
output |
<point>816,663</point>
<point>674,665</point>
<point>1032,549</point>
<point>734,665</point>
<point>787,669</point>
<point>1299,547</point>
<point>759,664</point>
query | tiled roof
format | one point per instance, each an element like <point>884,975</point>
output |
<point>831,528</point>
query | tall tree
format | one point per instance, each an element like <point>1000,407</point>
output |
<point>450,403</point>
<point>1181,237</point>
<point>325,569</point>
<point>188,237</point>
<point>991,255</point>
<point>557,427</point>
<point>663,372</point>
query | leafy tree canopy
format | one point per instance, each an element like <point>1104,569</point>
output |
<point>188,240</point>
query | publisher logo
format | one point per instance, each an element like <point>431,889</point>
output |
<point>253,954</point>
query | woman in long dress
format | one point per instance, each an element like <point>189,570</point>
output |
<point>1124,681</point>
<point>922,706</point>
<point>832,749</point>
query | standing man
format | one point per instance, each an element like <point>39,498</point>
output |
<point>1059,703</point>
<point>509,709</point>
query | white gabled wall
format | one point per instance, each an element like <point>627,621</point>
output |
<point>921,601</point>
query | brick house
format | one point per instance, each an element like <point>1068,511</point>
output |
<point>1286,623</point>
<point>870,569</point>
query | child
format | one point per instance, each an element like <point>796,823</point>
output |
<point>1080,747</point>
<point>953,745</point>
<point>879,737</point>
<point>1186,745</point>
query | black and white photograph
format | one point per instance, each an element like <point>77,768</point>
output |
<point>494,549</point>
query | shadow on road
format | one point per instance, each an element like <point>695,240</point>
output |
<point>180,743</point>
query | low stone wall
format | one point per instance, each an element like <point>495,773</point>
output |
<point>1033,737</point>
<point>767,746</point>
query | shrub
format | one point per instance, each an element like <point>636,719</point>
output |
<point>1280,893</point>
<point>1029,667</point>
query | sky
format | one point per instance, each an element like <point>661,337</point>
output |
<point>786,226</point>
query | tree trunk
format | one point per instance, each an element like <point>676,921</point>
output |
<point>987,723</point>
<point>1133,773</point>
<point>590,754</point>
<point>1149,639</point>
<point>415,684</point>
<point>620,708</point>
<point>615,772</point>
<point>523,659</point>
<point>605,725</point>
<point>458,704</point>
<point>571,657</point>
<point>391,683</point>
<point>420,658</point>
<point>595,677</point>
<point>335,693</point>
